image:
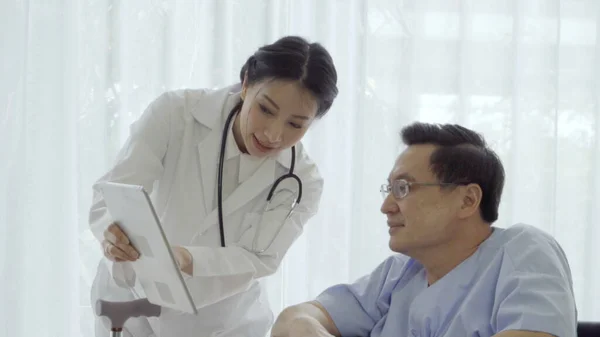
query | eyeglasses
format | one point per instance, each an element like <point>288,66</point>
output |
<point>401,187</point>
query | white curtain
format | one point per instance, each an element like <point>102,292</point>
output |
<point>76,73</point>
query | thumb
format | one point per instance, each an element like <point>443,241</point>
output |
<point>179,255</point>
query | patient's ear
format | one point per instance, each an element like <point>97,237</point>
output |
<point>470,200</point>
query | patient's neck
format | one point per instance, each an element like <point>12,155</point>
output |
<point>440,260</point>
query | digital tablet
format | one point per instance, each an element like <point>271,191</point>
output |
<point>156,269</point>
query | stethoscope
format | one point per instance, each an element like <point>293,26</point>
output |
<point>288,175</point>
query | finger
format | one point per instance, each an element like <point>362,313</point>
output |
<point>109,235</point>
<point>119,234</point>
<point>109,252</point>
<point>116,253</point>
<point>105,250</point>
<point>115,235</point>
<point>119,253</point>
<point>123,242</point>
<point>129,250</point>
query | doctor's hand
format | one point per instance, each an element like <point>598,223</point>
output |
<point>184,260</point>
<point>116,245</point>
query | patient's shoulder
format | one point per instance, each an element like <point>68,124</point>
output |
<point>525,244</point>
<point>520,235</point>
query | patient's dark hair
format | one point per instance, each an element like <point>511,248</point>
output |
<point>295,59</point>
<point>462,157</point>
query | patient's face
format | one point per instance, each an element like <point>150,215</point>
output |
<point>424,218</point>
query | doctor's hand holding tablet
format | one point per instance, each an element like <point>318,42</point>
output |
<point>117,248</point>
<point>116,245</point>
<point>230,186</point>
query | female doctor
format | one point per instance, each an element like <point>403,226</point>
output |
<point>212,203</point>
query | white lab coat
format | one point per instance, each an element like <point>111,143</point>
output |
<point>173,152</point>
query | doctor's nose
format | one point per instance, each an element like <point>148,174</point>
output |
<point>273,134</point>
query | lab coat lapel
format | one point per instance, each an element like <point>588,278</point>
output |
<point>262,178</point>
<point>209,148</point>
<point>208,154</point>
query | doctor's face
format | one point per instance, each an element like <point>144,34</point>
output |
<point>274,117</point>
<point>424,218</point>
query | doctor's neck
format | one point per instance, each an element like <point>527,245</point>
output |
<point>237,134</point>
<point>443,258</point>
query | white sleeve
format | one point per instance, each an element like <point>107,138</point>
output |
<point>225,271</point>
<point>138,162</point>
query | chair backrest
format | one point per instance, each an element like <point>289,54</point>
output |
<point>588,329</point>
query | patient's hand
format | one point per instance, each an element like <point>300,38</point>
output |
<point>304,327</point>
<point>308,319</point>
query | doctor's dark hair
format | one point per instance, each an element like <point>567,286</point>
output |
<point>295,59</point>
<point>462,157</point>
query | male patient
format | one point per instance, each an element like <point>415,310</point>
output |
<point>456,274</point>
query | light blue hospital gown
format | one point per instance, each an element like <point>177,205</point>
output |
<point>518,279</point>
